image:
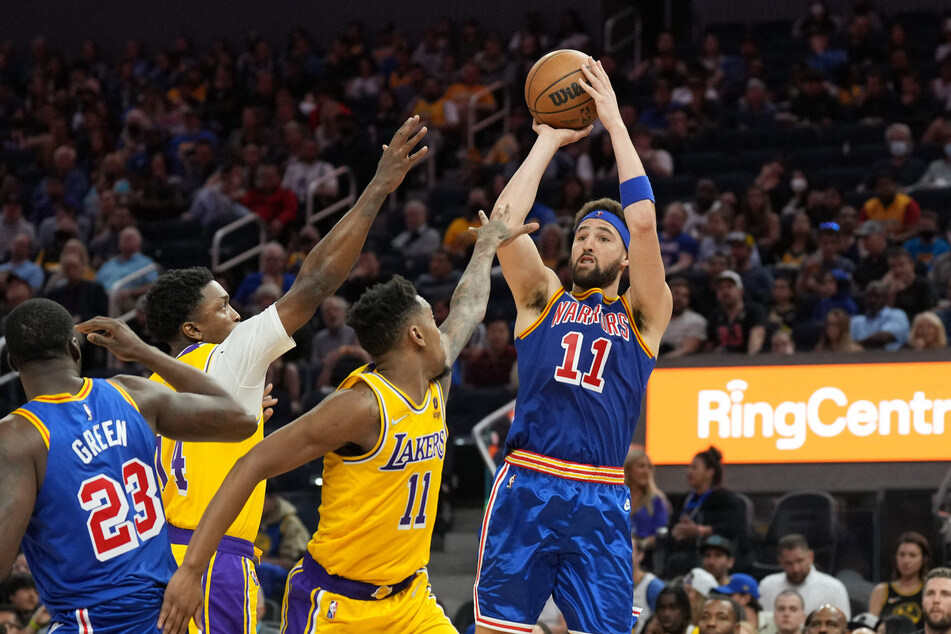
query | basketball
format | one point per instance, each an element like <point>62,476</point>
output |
<point>554,94</point>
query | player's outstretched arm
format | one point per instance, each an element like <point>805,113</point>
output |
<point>200,409</point>
<point>648,294</point>
<point>467,307</point>
<point>22,463</point>
<point>346,416</point>
<point>327,265</point>
<point>525,273</point>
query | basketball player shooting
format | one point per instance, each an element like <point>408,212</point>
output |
<point>557,518</point>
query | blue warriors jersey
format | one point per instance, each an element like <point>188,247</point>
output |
<point>97,533</point>
<point>583,370</point>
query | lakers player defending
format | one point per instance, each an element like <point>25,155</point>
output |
<point>557,522</point>
<point>384,435</point>
<point>77,478</point>
<point>189,311</point>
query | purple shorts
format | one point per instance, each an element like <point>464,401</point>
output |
<point>230,585</point>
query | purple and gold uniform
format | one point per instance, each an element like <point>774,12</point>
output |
<point>557,521</point>
<point>97,543</point>
<point>364,570</point>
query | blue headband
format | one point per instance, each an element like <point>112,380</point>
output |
<point>617,223</point>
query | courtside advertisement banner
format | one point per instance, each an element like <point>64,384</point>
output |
<point>898,412</point>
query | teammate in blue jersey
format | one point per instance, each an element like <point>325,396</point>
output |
<point>77,475</point>
<point>557,521</point>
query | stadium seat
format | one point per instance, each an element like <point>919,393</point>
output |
<point>814,515</point>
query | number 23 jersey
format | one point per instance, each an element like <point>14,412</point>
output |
<point>583,369</point>
<point>98,531</point>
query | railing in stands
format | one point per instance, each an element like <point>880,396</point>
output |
<point>116,289</point>
<point>612,44</point>
<point>346,202</point>
<point>475,125</point>
<point>216,264</point>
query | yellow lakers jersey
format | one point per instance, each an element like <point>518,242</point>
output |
<point>378,509</point>
<point>192,472</point>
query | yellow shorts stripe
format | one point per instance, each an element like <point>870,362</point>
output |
<point>564,468</point>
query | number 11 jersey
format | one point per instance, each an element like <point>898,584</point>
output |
<point>583,369</point>
<point>97,534</point>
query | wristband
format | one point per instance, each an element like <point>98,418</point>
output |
<point>33,625</point>
<point>635,190</point>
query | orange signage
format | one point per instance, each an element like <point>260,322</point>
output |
<point>806,413</point>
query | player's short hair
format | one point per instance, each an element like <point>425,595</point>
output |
<point>38,330</point>
<point>381,314</point>
<point>605,204</point>
<point>793,541</point>
<point>172,300</point>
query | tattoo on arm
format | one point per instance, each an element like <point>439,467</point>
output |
<point>469,300</point>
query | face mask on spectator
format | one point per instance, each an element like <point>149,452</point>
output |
<point>898,148</point>
<point>798,185</point>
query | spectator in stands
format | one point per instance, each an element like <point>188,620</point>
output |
<point>677,248</point>
<point>183,145</point>
<point>655,116</point>
<point>699,585</point>
<point>789,613</point>
<point>71,184</point>
<point>904,168</point>
<point>902,595</point>
<point>492,366</point>
<point>792,252</point>
<point>687,330</point>
<point>571,31</point>
<point>744,590</point>
<point>938,172</point>
<point>717,558</point>
<point>439,114</point>
<point>417,243</point>
<point>818,20</point>
<point>20,263</point>
<point>552,246</point>
<point>916,107</point>
<point>757,218</point>
<point>834,290</point>
<point>927,332</point>
<point>129,260</point>
<point>836,333</point>
<point>927,246</point>
<point>219,201</point>
<point>827,619</point>
<point>650,510</point>
<point>822,57</point>
<point>12,222</point>
<point>941,85</point>
<point>877,103</point>
<point>756,110</point>
<point>735,326</point>
<point>757,280</point>
<point>717,230</point>
<point>912,293</point>
<point>936,602</point>
<point>657,162</point>
<point>273,271</point>
<point>84,299</point>
<point>799,574</point>
<point>709,509</point>
<point>647,586</point>
<point>783,310</point>
<point>897,211</point>
<point>881,326</point>
<point>307,168</point>
<point>673,611</point>
<point>282,536</point>
<point>706,199</point>
<point>874,265</point>
<point>458,238</point>
<point>275,205</point>
<point>813,104</point>
<point>441,279</point>
<point>160,194</point>
<point>53,232</point>
<point>200,164</point>
<point>468,85</point>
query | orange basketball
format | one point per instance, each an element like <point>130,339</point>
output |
<point>554,94</point>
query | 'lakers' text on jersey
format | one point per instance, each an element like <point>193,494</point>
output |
<point>378,510</point>
<point>583,369</point>
<point>97,535</point>
<point>192,472</point>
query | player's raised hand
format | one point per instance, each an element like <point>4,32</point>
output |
<point>397,160</point>
<point>601,91</point>
<point>115,336</point>
<point>564,136</point>
<point>497,230</point>
<point>182,602</point>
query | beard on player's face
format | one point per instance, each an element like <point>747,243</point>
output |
<point>596,276</point>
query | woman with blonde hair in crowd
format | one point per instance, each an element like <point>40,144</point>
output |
<point>650,509</point>
<point>836,334</point>
<point>927,332</point>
